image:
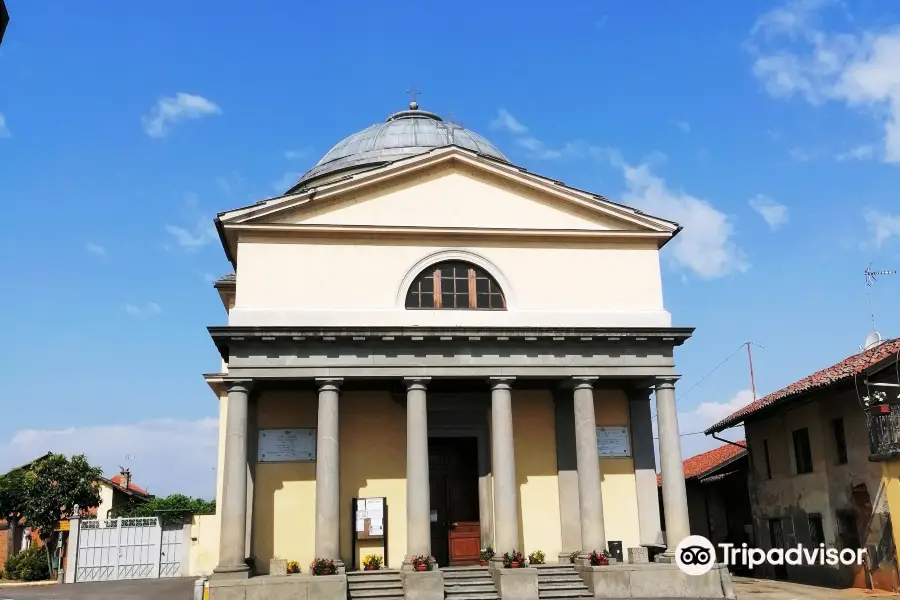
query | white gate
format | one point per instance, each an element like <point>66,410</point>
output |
<point>128,548</point>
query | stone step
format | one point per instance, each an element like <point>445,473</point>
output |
<point>555,569</point>
<point>470,589</point>
<point>398,595</point>
<point>467,574</point>
<point>474,596</point>
<point>562,594</point>
<point>563,586</point>
<point>373,584</point>
<point>376,593</point>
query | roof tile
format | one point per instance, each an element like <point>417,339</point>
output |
<point>847,368</point>
<point>703,463</point>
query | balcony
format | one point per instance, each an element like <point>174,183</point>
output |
<point>883,421</point>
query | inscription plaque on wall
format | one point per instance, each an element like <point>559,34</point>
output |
<point>612,442</point>
<point>287,445</point>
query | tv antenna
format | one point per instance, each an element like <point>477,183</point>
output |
<point>874,337</point>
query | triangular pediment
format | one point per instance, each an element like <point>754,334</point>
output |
<point>449,189</point>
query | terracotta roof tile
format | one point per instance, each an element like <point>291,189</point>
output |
<point>703,463</point>
<point>847,368</point>
<point>134,488</point>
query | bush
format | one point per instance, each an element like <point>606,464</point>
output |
<point>28,565</point>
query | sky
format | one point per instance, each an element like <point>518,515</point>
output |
<point>770,131</point>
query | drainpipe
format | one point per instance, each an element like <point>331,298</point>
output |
<point>715,437</point>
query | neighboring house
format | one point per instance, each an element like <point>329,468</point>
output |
<point>421,323</point>
<point>811,478</point>
<point>718,501</point>
<point>115,491</point>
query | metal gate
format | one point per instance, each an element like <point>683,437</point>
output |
<point>128,548</point>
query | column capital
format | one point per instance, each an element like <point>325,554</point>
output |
<point>580,382</point>
<point>667,382</point>
<point>416,383</point>
<point>329,384</point>
<point>501,382</point>
<point>238,385</point>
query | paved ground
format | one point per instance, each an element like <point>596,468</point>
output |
<point>149,589</point>
<point>764,589</point>
<point>182,589</point>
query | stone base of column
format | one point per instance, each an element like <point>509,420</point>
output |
<point>231,572</point>
<point>667,557</point>
<point>565,558</point>
<point>423,585</point>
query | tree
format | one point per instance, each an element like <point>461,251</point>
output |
<point>52,488</point>
<point>12,502</point>
<point>171,509</point>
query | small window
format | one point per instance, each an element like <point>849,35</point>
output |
<point>802,451</point>
<point>816,531</point>
<point>457,286</point>
<point>766,456</point>
<point>840,442</point>
<point>848,532</point>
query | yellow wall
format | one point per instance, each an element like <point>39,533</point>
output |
<point>204,545</point>
<point>891,476</point>
<point>535,444</point>
<point>620,513</point>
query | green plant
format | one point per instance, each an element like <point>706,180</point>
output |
<point>513,560</point>
<point>373,562</point>
<point>487,553</point>
<point>572,557</point>
<point>293,566</point>
<point>422,561</point>
<point>536,558</point>
<point>599,559</point>
<point>28,565</point>
<point>323,566</point>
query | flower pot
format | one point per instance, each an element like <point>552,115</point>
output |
<point>371,567</point>
<point>483,562</point>
<point>278,567</point>
<point>514,564</point>
<point>421,567</point>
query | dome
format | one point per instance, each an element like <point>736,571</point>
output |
<point>404,134</point>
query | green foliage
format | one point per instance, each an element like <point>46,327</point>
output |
<point>170,510</point>
<point>12,494</point>
<point>28,565</point>
<point>53,485</point>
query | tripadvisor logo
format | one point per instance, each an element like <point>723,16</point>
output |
<point>696,555</point>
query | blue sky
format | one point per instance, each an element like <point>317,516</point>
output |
<point>770,131</point>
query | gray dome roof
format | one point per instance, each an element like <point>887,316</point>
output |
<point>404,134</point>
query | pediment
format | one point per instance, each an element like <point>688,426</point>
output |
<point>449,189</point>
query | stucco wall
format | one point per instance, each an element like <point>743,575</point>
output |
<point>204,545</point>
<point>827,490</point>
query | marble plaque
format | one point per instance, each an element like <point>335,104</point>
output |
<point>613,442</point>
<point>287,445</point>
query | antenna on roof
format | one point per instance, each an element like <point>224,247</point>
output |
<point>874,338</point>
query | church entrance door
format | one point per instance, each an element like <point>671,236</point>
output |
<point>453,475</point>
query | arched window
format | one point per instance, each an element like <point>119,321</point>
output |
<point>455,285</point>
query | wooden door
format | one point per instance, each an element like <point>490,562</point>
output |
<point>453,474</point>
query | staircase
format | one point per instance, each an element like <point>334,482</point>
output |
<point>560,581</point>
<point>468,583</point>
<point>384,584</point>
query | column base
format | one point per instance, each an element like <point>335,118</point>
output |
<point>667,557</point>
<point>565,558</point>
<point>224,572</point>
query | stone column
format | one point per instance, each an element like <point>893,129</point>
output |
<point>590,498</point>
<point>673,489</point>
<point>233,507</point>
<point>503,468</point>
<point>644,466</point>
<point>328,514</point>
<point>418,492</point>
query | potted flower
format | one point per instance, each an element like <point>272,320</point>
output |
<point>323,566</point>
<point>422,562</point>
<point>599,559</point>
<point>486,555</point>
<point>513,560</point>
<point>277,566</point>
<point>372,562</point>
<point>293,567</point>
<point>536,558</point>
<point>573,557</point>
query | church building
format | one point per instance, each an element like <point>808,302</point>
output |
<point>431,351</point>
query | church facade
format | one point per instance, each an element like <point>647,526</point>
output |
<point>429,351</point>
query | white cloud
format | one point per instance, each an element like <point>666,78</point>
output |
<point>145,310</point>
<point>861,152</point>
<point>535,147</point>
<point>172,109</point>
<point>801,154</point>
<point>794,56</point>
<point>4,130</point>
<point>775,214</point>
<point>203,233</point>
<point>882,226</point>
<point>94,248</point>
<point>683,126</point>
<point>165,455</point>
<point>506,122</point>
<point>706,246</point>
